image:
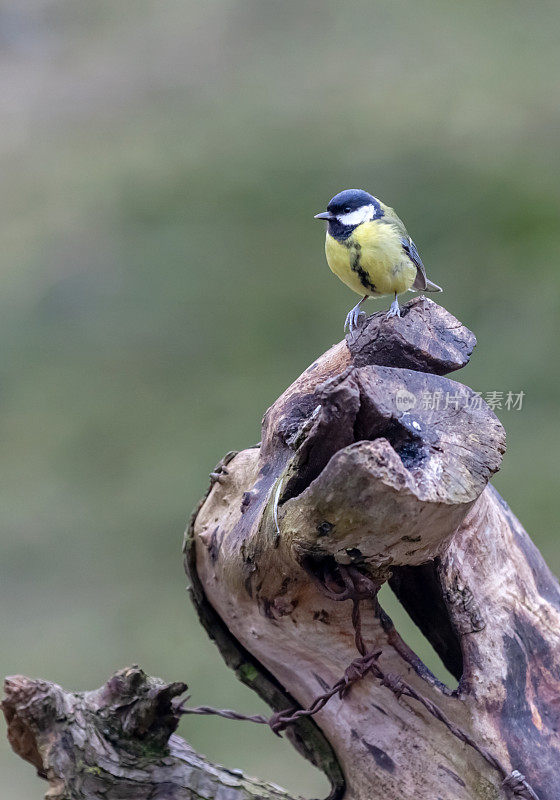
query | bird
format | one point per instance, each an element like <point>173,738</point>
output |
<point>368,247</point>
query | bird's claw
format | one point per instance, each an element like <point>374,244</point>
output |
<point>353,319</point>
<point>394,310</point>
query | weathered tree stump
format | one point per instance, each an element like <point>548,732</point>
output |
<point>372,462</point>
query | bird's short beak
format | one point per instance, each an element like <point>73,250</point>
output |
<point>324,215</point>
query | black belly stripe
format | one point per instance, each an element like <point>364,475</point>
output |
<point>356,267</point>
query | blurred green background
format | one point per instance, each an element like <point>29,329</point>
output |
<point>163,280</point>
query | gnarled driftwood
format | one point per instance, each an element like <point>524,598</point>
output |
<point>374,462</point>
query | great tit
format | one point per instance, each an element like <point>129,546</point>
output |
<point>369,249</point>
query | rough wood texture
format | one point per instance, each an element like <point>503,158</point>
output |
<point>346,476</point>
<point>359,467</point>
<point>116,743</point>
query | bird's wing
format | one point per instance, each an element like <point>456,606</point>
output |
<point>421,280</point>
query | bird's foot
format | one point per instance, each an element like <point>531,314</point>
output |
<point>394,310</point>
<point>353,318</point>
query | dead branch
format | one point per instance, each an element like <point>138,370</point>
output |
<point>117,742</point>
<point>344,476</point>
<point>362,477</point>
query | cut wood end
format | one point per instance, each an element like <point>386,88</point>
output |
<point>392,485</point>
<point>27,708</point>
<point>447,438</point>
<point>426,338</point>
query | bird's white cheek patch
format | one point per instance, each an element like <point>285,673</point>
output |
<point>358,216</point>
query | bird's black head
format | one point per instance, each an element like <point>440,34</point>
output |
<point>348,209</point>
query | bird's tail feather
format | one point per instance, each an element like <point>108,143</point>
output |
<point>432,287</point>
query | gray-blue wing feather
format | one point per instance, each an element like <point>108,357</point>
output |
<point>421,280</point>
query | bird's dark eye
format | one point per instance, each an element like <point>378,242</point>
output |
<point>347,210</point>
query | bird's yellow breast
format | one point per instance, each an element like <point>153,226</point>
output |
<point>371,260</point>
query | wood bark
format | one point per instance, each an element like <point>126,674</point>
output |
<point>374,460</point>
<point>117,743</point>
